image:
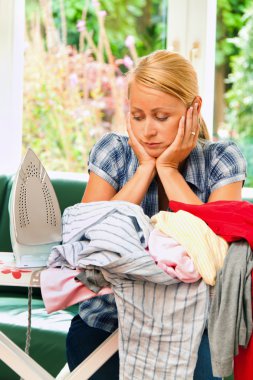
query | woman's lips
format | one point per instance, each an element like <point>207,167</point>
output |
<point>152,145</point>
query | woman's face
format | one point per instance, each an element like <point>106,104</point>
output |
<point>154,117</point>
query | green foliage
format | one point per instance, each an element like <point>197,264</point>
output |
<point>144,19</point>
<point>229,22</point>
<point>246,146</point>
<point>240,96</point>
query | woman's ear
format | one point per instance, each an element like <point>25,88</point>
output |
<point>198,100</point>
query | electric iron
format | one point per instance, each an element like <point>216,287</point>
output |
<point>35,216</point>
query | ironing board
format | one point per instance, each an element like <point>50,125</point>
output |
<point>23,364</point>
<point>28,369</point>
<point>35,226</point>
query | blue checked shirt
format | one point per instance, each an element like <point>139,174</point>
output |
<point>209,166</point>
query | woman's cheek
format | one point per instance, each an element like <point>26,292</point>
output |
<point>173,130</point>
<point>136,131</point>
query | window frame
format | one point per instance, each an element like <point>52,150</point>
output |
<point>12,42</point>
<point>192,33</point>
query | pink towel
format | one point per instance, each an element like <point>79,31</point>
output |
<point>171,257</point>
<point>59,289</point>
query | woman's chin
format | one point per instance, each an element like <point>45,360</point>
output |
<point>155,153</point>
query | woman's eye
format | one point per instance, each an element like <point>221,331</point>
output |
<point>137,118</point>
<point>161,118</point>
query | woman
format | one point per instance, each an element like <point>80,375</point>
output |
<point>167,156</point>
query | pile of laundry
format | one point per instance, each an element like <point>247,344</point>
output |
<point>161,271</point>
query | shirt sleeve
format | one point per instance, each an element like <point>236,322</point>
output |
<point>228,165</point>
<point>107,159</point>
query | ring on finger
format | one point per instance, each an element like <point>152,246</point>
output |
<point>193,133</point>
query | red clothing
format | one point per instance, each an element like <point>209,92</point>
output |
<point>243,362</point>
<point>232,220</point>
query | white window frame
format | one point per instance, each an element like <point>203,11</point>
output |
<point>12,40</point>
<point>192,33</point>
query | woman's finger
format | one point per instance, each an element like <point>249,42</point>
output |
<point>180,132</point>
<point>196,136</point>
<point>134,143</point>
<point>189,124</point>
<point>195,123</point>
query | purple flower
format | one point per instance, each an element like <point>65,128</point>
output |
<point>80,25</point>
<point>129,41</point>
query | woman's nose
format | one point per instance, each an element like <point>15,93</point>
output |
<point>149,128</point>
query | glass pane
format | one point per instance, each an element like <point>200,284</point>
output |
<point>234,76</point>
<point>76,57</point>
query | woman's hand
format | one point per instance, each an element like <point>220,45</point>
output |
<point>184,143</point>
<point>143,157</point>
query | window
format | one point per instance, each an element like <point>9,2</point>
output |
<point>69,114</point>
<point>74,84</point>
<point>234,77</point>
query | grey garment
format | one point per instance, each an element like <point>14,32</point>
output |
<point>230,320</point>
<point>93,279</point>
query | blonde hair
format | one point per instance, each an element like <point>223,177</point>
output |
<point>172,74</point>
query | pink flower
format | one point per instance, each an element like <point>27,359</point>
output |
<point>102,14</point>
<point>129,41</point>
<point>95,4</point>
<point>128,62</point>
<point>80,25</point>
<point>120,82</point>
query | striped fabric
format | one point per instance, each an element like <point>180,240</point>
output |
<point>160,325</point>
<point>161,321</point>
<point>116,227</point>
<point>206,249</point>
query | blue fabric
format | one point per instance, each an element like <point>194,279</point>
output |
<point>209,166</point>
<point>81,341</point>
<point>203,369</point>
<point>100,312</point>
